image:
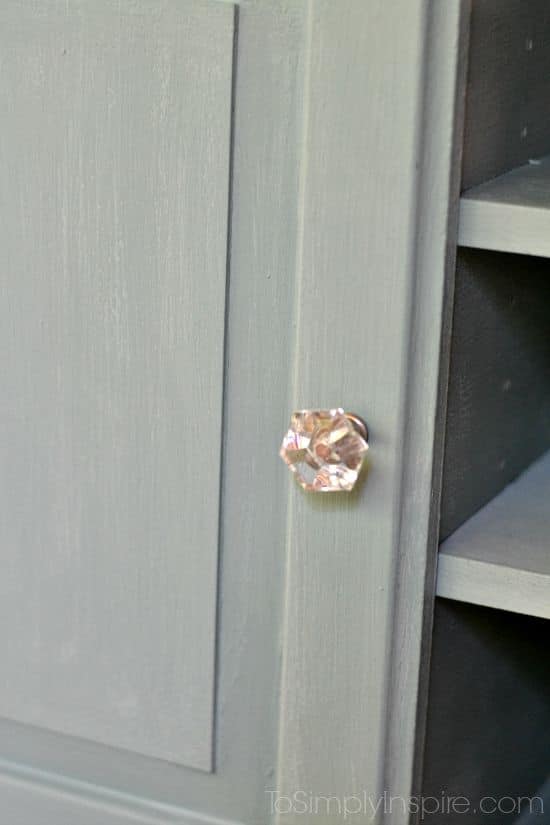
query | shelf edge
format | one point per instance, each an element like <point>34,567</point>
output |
<point>504,227</point>
<point>493,585</point>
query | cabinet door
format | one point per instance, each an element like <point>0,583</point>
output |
<point>205,221</point>
<point>114,200</point>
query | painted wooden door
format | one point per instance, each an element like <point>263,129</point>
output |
<point>206,220</point>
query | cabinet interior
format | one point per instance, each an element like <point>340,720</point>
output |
<point>498,403</point>
<point>507,111</point>
<point>488,721</point>
<point>488,731</point>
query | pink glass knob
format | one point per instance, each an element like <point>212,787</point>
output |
<point>325,449</point>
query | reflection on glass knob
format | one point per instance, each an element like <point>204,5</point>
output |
<point>325,449</point>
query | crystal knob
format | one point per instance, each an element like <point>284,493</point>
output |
<point>325,449</point>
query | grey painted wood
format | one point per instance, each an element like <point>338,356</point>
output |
<point>114,204</point>
<point>498,413</point>
<point>348,194</point>
<point>498,585</point>
<point>30,800</point>
<point>39,797</point>
<point>510,213</point>
<point>358,299</point>
<point>507,114</point>
<point>268,97</point>
<point>501,556</point>
<point>446,55</point>
<point>489,718</point>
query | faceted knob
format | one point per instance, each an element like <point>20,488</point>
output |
<point>325,449</point>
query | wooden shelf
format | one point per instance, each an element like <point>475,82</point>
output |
<point>501,557</point>
<point>510,213</point>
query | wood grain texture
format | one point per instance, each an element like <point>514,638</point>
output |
<point>268,79</point>
<point>510,213</point>
<point>115,156</point>
<point>507,116</point>
<point>489,710</point>
<point>354,304</point>
<point>501,556</point>
<point>437,211</point>
<point>498,413</point>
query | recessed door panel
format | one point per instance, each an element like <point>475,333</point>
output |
<point>114,150</point>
